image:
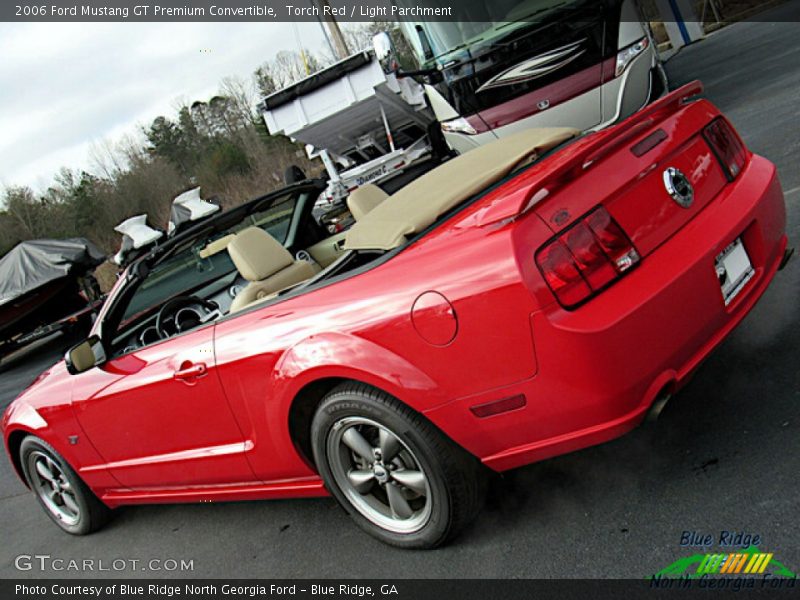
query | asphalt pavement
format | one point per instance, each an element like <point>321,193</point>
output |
<point>724,455</point>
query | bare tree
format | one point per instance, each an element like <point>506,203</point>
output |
<point>242,97</point>
<point>288,67</point>
<point>221,144</point>
<point>104,159</point>
<point>26,211</point>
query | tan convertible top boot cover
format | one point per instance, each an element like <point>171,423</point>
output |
<point>417,206</point>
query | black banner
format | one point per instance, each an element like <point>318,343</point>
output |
<point>401,589</point>
<point>289,10</point>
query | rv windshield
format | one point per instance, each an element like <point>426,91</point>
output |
<point>471,55</point>
<point>486,20</point>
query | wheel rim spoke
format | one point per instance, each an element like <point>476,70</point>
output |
<point>361,480</point>
<point>413,480</point>
<point>44,471</point>
<point>398,503</point>
<point>358,444</point>
<point>389,444</point>
<point>53,467</point>
<point>70,503</point>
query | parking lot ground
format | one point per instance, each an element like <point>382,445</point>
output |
<point>724,455</point>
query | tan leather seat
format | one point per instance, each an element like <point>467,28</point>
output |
<point>364,199</point>
<point>266,264</point>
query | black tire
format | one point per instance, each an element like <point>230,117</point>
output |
<point>454,481</point>
<point>92,514</point>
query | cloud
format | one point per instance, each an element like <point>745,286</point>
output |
<point>65,85</point>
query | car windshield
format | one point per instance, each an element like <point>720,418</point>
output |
<point>487,20</point>
<point>198,262</point>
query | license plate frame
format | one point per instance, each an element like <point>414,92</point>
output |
<point>734,269</point>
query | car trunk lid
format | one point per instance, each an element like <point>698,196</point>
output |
<point>652,178</point>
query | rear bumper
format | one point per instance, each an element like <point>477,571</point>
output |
<point>603,365</point>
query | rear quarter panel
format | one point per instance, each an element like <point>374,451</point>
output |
<point>361,329</point>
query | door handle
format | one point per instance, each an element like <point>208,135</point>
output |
<point>189,371</point>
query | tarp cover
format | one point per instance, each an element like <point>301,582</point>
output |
<point>188,207</point>
<point>34,263</point>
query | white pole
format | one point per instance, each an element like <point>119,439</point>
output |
<point>386,127</point>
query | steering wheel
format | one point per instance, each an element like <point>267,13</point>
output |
<point>173,306</point>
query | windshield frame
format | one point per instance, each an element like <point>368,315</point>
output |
<point>185,269</point>
<point>110,319</point>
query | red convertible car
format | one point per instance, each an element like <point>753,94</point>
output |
<point>532,297</point>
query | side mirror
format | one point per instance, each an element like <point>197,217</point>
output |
<point>385,52</point>
<point>85,355</point>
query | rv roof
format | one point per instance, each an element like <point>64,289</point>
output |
<point>420,203</point>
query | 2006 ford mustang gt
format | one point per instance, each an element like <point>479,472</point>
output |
<point>534,296</point>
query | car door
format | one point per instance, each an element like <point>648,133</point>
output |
<point>159,417</point>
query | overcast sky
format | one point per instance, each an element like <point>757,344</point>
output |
<point>66,85</point>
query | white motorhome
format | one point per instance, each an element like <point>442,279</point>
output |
<point>516,64</point>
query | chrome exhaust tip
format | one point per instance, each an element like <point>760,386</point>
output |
<point>656,408</point>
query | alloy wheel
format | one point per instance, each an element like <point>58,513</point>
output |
<point>52,486</point>
<point>379,474</point>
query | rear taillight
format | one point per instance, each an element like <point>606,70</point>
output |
<point>586,258</point>
<point>726,144</point>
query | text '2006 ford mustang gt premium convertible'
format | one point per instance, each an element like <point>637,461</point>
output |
<point>532,297</point>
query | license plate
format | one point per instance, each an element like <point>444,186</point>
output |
<point>734,270</point>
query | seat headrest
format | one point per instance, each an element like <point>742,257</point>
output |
<point>364,199</point>
<point>257,255</point>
